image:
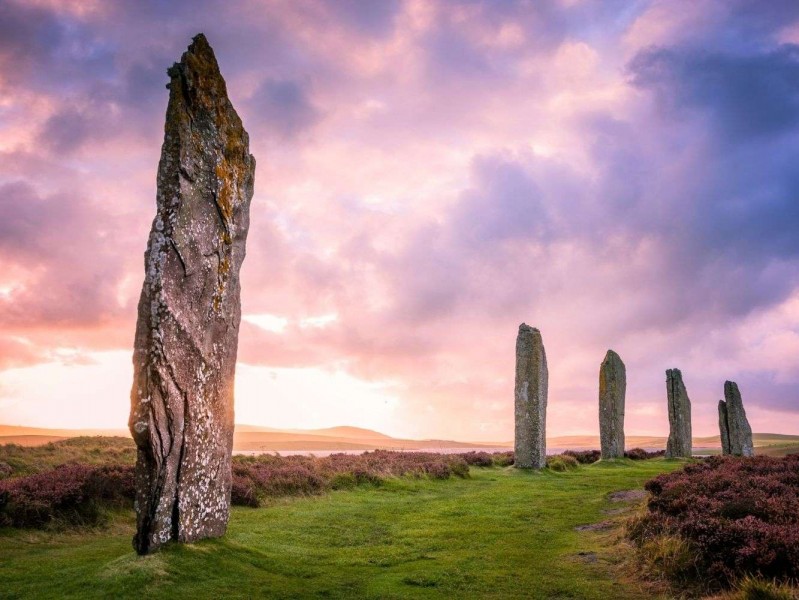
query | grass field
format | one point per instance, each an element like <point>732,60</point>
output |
<point>499,534</point>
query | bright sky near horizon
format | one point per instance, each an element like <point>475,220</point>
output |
<point>620,174</point>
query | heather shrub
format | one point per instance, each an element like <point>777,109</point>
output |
<point>478,459</point>
<point>112,484</point>
<point>77,493</point>
<point>738,516</point>
<point>584,457</point>
<point>641,454</point>
<point>502,459</point>
<point>438,470</point>
<point>291,479</point>
<point>459,468</point>
<point>242,491</point>
<point>343,481</point>
<point>5,470</point>
<point>364,477</point>
<point>69,494</point>
<point>561,462</point>
<point>270,475</point>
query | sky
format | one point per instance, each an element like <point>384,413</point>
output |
<point>619,173</point>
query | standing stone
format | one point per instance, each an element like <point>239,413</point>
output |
<point>612,389</point>
<point>184,355</point>
<point>532,380</point>
<point>680,442</point>
<point>724,430</point>
<point>736,425</point>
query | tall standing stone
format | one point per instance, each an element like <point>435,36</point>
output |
<point>184,355</point>
<point>532,380</point>
<point>612,390</point>
<point>680,442</point>
<point>734,423</point>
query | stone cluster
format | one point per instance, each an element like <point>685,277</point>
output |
<point>530,401</point>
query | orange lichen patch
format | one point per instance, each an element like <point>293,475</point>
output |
<point>232,164</point>
<point>201,64</point>
<point>224,195</point>
<point>230,170</point>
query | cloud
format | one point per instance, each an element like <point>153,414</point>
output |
<point>744,95</point>
<point>505,204</point>
<point>50,51</point>
<point>62,259</point>
<point>67,130</point>
<point>374,18</point>
<point>285,106</point>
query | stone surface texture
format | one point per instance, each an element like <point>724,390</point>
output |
<point>739,433</point>
<point>612,390</point>
<point>532,380</point>
<point>189,312</point>
<point>724,431</point>
<point>679,444</point>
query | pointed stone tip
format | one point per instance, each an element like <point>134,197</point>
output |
<point>199,70</point>
<point>524,327</point>
<point>612,357</point>
<point>731,389</point>
<point>673,373</point>
<point>200,48</point>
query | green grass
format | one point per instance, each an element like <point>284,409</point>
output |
<point>500,534</point>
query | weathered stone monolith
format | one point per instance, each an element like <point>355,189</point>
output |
<point>680,442</point>
<point>736,425</point>
<point>724,430</point>
<point>184,355</point>
<point>532,380</point>
<point>612,389</point>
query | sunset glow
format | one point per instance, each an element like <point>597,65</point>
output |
<point>430,175</point>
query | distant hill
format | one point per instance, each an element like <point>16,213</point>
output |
<point>31,440</point>
<point>19,430</point>
<point>255,438</point>
<point>345,431</point>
